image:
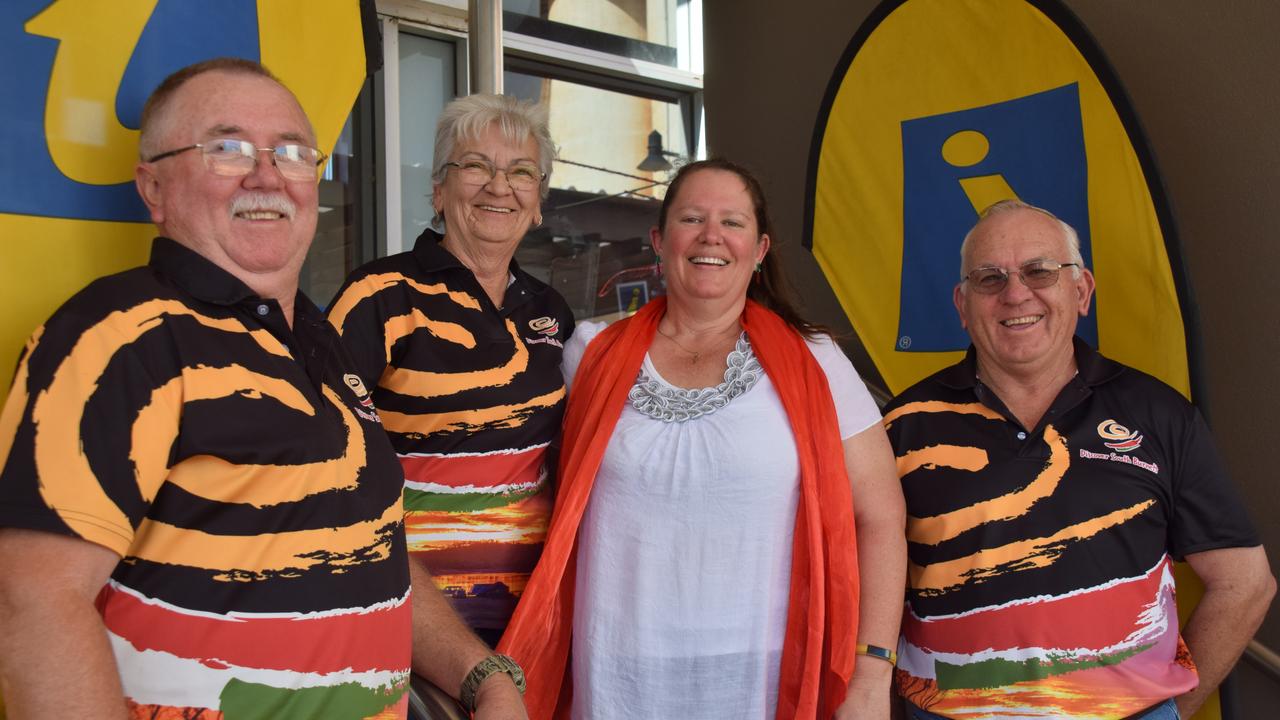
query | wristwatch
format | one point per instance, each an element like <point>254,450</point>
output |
<point>482,671</point>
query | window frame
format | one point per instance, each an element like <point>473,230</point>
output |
<point>447,22</point>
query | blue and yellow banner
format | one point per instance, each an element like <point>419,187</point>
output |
<point>940,108</point>
<point>76,75</point>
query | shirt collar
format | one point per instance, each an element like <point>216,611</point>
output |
<point>1092,368</point>
<point>203,280</point>
<point>433,257</point>
<point>305,311</point>
<point>196,275</point>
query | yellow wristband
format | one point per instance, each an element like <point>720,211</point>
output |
<point>876,651</point>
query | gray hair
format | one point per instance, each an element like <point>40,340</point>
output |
<point>468,117</point>
<point>156,118</point>
<point>1069,235</point>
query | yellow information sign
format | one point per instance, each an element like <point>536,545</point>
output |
<point>940,108</point>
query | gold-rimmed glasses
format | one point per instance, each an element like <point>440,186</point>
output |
<point>1037,274</point>
<point>231,157</point>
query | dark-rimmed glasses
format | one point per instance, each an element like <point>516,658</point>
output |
<point>1037,274</point>
<point>231,157</point>
<point>520,175</point>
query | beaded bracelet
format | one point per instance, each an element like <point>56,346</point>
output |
<point>483,669</point>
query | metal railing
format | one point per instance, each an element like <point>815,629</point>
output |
<point>1263,658</point>
<point>428,702</point>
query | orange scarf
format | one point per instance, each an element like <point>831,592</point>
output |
<point>822,615</point>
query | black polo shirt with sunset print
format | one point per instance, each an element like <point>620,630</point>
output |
<point>1040,575</point>
<point>172,416</point>
<point>472,397</point>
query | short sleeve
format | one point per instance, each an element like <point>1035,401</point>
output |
<point>1207,511</point>
<point>88,431</point>
<point>856,410</point>
<point>576,347</point>
<point>358,315</point>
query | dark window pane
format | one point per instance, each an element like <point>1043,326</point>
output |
<point>593,246</point>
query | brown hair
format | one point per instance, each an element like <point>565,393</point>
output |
<point>769,287</point>
<point>159,99</point>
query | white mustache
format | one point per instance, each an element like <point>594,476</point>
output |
<point>257,201</point>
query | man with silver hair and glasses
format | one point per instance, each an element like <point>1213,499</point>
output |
<point>201,512</point>
<point>1049,490</point>
<point>461,348</point>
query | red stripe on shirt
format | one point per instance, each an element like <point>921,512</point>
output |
<point>360,640</point>
<point>481,471</point>
<point>1094,619</point>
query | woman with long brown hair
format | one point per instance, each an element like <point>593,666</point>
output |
<point>703,560</point>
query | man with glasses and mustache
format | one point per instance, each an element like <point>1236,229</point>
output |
<point>1049,490</point>
<point>201,512</point>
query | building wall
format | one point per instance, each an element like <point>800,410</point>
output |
<point>1202,79</point>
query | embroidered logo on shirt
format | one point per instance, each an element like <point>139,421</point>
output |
<point>546,325</point>
<point>357,386</point>
<point>544,340</point>
<point>1120,440</point>
<point>1118,437</point>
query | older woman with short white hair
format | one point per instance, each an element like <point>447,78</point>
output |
<point>461,349</point>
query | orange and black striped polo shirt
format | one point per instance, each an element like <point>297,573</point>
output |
<point>472,398</point>
<point>1040,580</point>
<point>173,417</point>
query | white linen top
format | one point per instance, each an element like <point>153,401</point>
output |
<point>684,553</point>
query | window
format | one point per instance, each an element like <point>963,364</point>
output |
<point>593,246</point>
<point>666,32</point>
<point>346,228</point>
<point>394,118</point>
<point>611,73</point>
<point>427,70</point>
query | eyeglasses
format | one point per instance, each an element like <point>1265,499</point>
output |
<point>520,176</point>
<point>232,158</point>
<point>1036,274</point>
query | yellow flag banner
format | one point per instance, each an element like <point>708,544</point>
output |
<point>76,75</point>
<point>939,108</point>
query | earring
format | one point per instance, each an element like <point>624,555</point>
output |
<point>657,264</point>
<point>759,267</point>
